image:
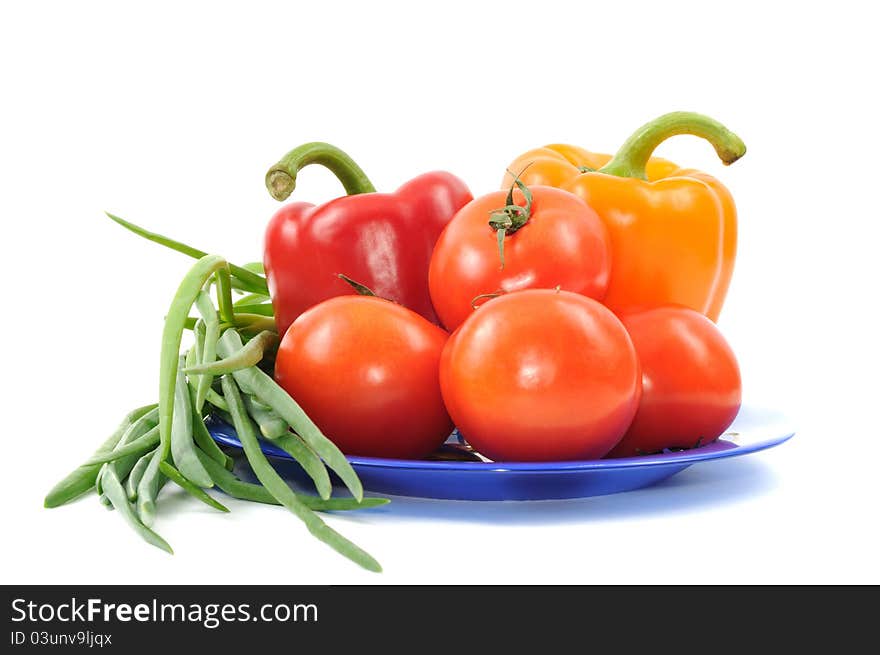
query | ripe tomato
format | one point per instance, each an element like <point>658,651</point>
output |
<point>365,370</point>
<point>541,375</point>
<point>691,388</point>
<point>562,243</point>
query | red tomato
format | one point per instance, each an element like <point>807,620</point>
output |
<point>563,243</point>
<point>541,375</point>
<point>365,371</point>
<point>691,388</point>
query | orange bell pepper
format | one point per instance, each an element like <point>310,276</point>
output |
<point>672,230</point>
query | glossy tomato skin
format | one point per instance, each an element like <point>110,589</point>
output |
<point>564,243</point>
<point>691,386</point>
<point>365,370</point>
<point>541,375</point>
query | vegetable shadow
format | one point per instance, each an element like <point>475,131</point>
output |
<point>707,485</point>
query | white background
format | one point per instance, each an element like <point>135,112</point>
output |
<point>170,114</point>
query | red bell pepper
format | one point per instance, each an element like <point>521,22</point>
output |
<point>382,240</point>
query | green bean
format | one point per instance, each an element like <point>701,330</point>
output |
<point>260,309</point>
<point>250,354</point>
<point>249,332</point>
<point>127,452</point>
<point>264,388</point>
<point>254,322</point>
<point>98,489</point>
<point>224,295</point>
<point>246,279</point>
<point>123,456</point>
<point>271,425</point>
<point>137,446</point>
<point>117,496</point>
<point>209,348</point>
<point>203,440</point>
<point>196,352</point>
<point>294,446</point>
<point>241,285</point>
<point>194,355</point>
<point>134,477</point>
<point>217,400</point>
<point>127,457</point>
<point>83,478</point>
<point>196,492</point>
<point>231,485</point>
<point>279,489</point>
<point>182,446</point>
<point>172,334</point>
<point>253,401</point>
<point>275,429</point>
<point>202,436</point>
<point>251,299</point>
<point>148,488</point>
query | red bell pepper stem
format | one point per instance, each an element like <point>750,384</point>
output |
<point>632,158</point>
<point>281,178</point>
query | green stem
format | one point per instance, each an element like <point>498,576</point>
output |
<point>633,156</point>
<point>245,279</point>
<point>281,178</point>
<point>508,219</point>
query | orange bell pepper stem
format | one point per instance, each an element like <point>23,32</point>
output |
<point>673,231</point>
<point>632,158</point>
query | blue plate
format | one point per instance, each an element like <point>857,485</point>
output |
<point>753,430</point>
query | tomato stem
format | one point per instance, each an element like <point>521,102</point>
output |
<point>362,289</point>
<point>508,219</point>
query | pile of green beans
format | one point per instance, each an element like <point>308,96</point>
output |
<point>221,373</point>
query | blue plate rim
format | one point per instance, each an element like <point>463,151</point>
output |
<point>224,434</point>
